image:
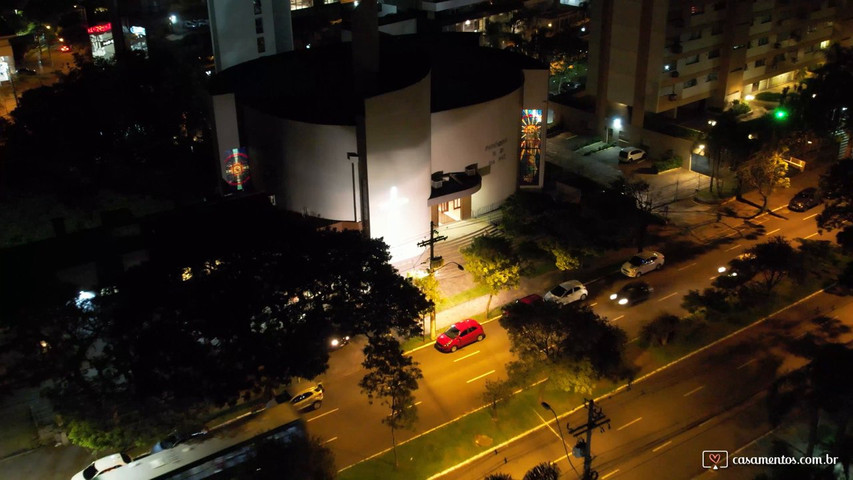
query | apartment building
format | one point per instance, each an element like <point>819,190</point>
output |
<point>659,55</point>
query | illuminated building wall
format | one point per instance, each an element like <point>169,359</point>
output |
<point>398,166</point>
<point>248,29</point>
<point>485,134</point>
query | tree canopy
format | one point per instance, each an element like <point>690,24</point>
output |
<point>227,324</point>
<point>493,263</point>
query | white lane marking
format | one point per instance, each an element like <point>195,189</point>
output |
<point>594,304</point>
<point>688,266</point>
<point>481,376</point>
<point>780,207</point>
<point>747,363</point>
<point>800,335</point>
<point>634,339</point>
<point>617,318</point>
<point>812,215</point>
<point>466,356</point>
<point>661,446</point>
<point>691,392</point>
<point>630,423</point>
<point>712,278</point>
<point>736,246</point>
<point>730,234</point>
<point>772,232</point>
<point>614,472</point>
<point>418,403</point>
<point>670,295</point>
<point>330,440</point>
<point>812,235</point>
<point>322,415</point>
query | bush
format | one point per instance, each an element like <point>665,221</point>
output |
<point>740,108</point>
<point>661,330</point>
<point>665,164</point>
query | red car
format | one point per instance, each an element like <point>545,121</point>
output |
<point>64,48</point>
<point>460,334</point>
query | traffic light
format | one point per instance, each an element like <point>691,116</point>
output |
<point>780,113</point>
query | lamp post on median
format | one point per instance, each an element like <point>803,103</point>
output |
<point>546,406</point>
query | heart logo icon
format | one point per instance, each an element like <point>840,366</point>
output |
<point>714,457</point>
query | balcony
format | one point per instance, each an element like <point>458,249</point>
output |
<point>447,187</point>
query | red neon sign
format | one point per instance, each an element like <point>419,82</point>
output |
<point>100,28</point>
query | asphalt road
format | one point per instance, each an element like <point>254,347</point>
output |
<point>453,383</point>
<point>713,400</point>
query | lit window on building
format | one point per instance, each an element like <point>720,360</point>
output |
<point>697,9</point>
<point>300,4</point>
<point>824,44</point>
<point>329,1</point>
<point>760,63</point>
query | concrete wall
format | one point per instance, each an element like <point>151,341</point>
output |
<point>397,128</point>
<point>487,134</point>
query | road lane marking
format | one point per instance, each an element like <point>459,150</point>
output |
<point>736,246</point>
<point>772,232</point>
<point>812,215</point>
<point>418,403</point>
<point>630,423</point>
<point>747,363</point>
<point>670,295</point>
<point>780,207</point>
<point>322,415</point>
<point>594,304</point>
<point>634,339</point>
<point>481,376</point>
<point>688,266</point>
<point>691,392</point>
<point>330,440</point>
<point>614,472</point>
<point>730,234</point>
<point>713,278</point>
<point>466,356</point>
<point>617,318</point>
<point>812,235</point>
<point>661,446</point>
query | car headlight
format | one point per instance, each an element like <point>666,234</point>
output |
<point>721,269</point>
<point>623,301</point>
<point>335,342</point>
<point>346,338</point>
<point>613,296</point>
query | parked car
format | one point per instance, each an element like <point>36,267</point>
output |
<point>804,200</point>
<point>567,292</point>
<point>631,155</point>
<point>643,262</point>
<point>459,335</point>
<point>528,300</point>
<point>337,340</point>
<point>102,465</point>
<point>310,398</point>
<point>739,271</point>
<point>632,293</point>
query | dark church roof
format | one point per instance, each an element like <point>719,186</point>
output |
<point>317,85</point>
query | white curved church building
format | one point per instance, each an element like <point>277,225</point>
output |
<point>451,130</point>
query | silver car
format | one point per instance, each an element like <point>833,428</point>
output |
<point>567,292</point>
<point>642,263</point>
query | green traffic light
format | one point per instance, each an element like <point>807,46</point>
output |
<point>781,114</point>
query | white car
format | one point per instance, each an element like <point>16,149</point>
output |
<point>631,154</point>
<point>102,465</point>
<point>567,292</point>
<point>643,262</point>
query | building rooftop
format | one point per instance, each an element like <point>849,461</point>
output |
<point>317,85</point>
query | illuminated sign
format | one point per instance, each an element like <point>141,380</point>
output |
<point>137,30</point>
<point>100,29</point>
<point>530,151</point>
<point>237,171</point>
<point>5,75</point>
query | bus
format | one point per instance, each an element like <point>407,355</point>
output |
<point>221,449</point>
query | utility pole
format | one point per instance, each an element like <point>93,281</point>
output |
<point>433,266</point>
<point>595,419</point>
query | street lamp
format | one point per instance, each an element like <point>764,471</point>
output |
<point>546,406</point>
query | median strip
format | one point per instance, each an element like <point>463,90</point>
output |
<point>661,446</point>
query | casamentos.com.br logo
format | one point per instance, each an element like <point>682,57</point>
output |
<point>719,459</point>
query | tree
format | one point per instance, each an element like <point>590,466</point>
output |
<point>565,258</point>
<point>660,330</point>
<point>493,263</point>
<point>827,95</point>
<point>391,377</point>
<point>496,391</point>
<point>498,476</point>
<point>646,203</point>
<point>230,325</point>
<point>836,186</point>
<point>765,172</point>
<point>570,341</point>
<point>428,285</point>
<point>728,146</point>
<point>543,471</point>
<point>298,458</point>
<point>773,261</point>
